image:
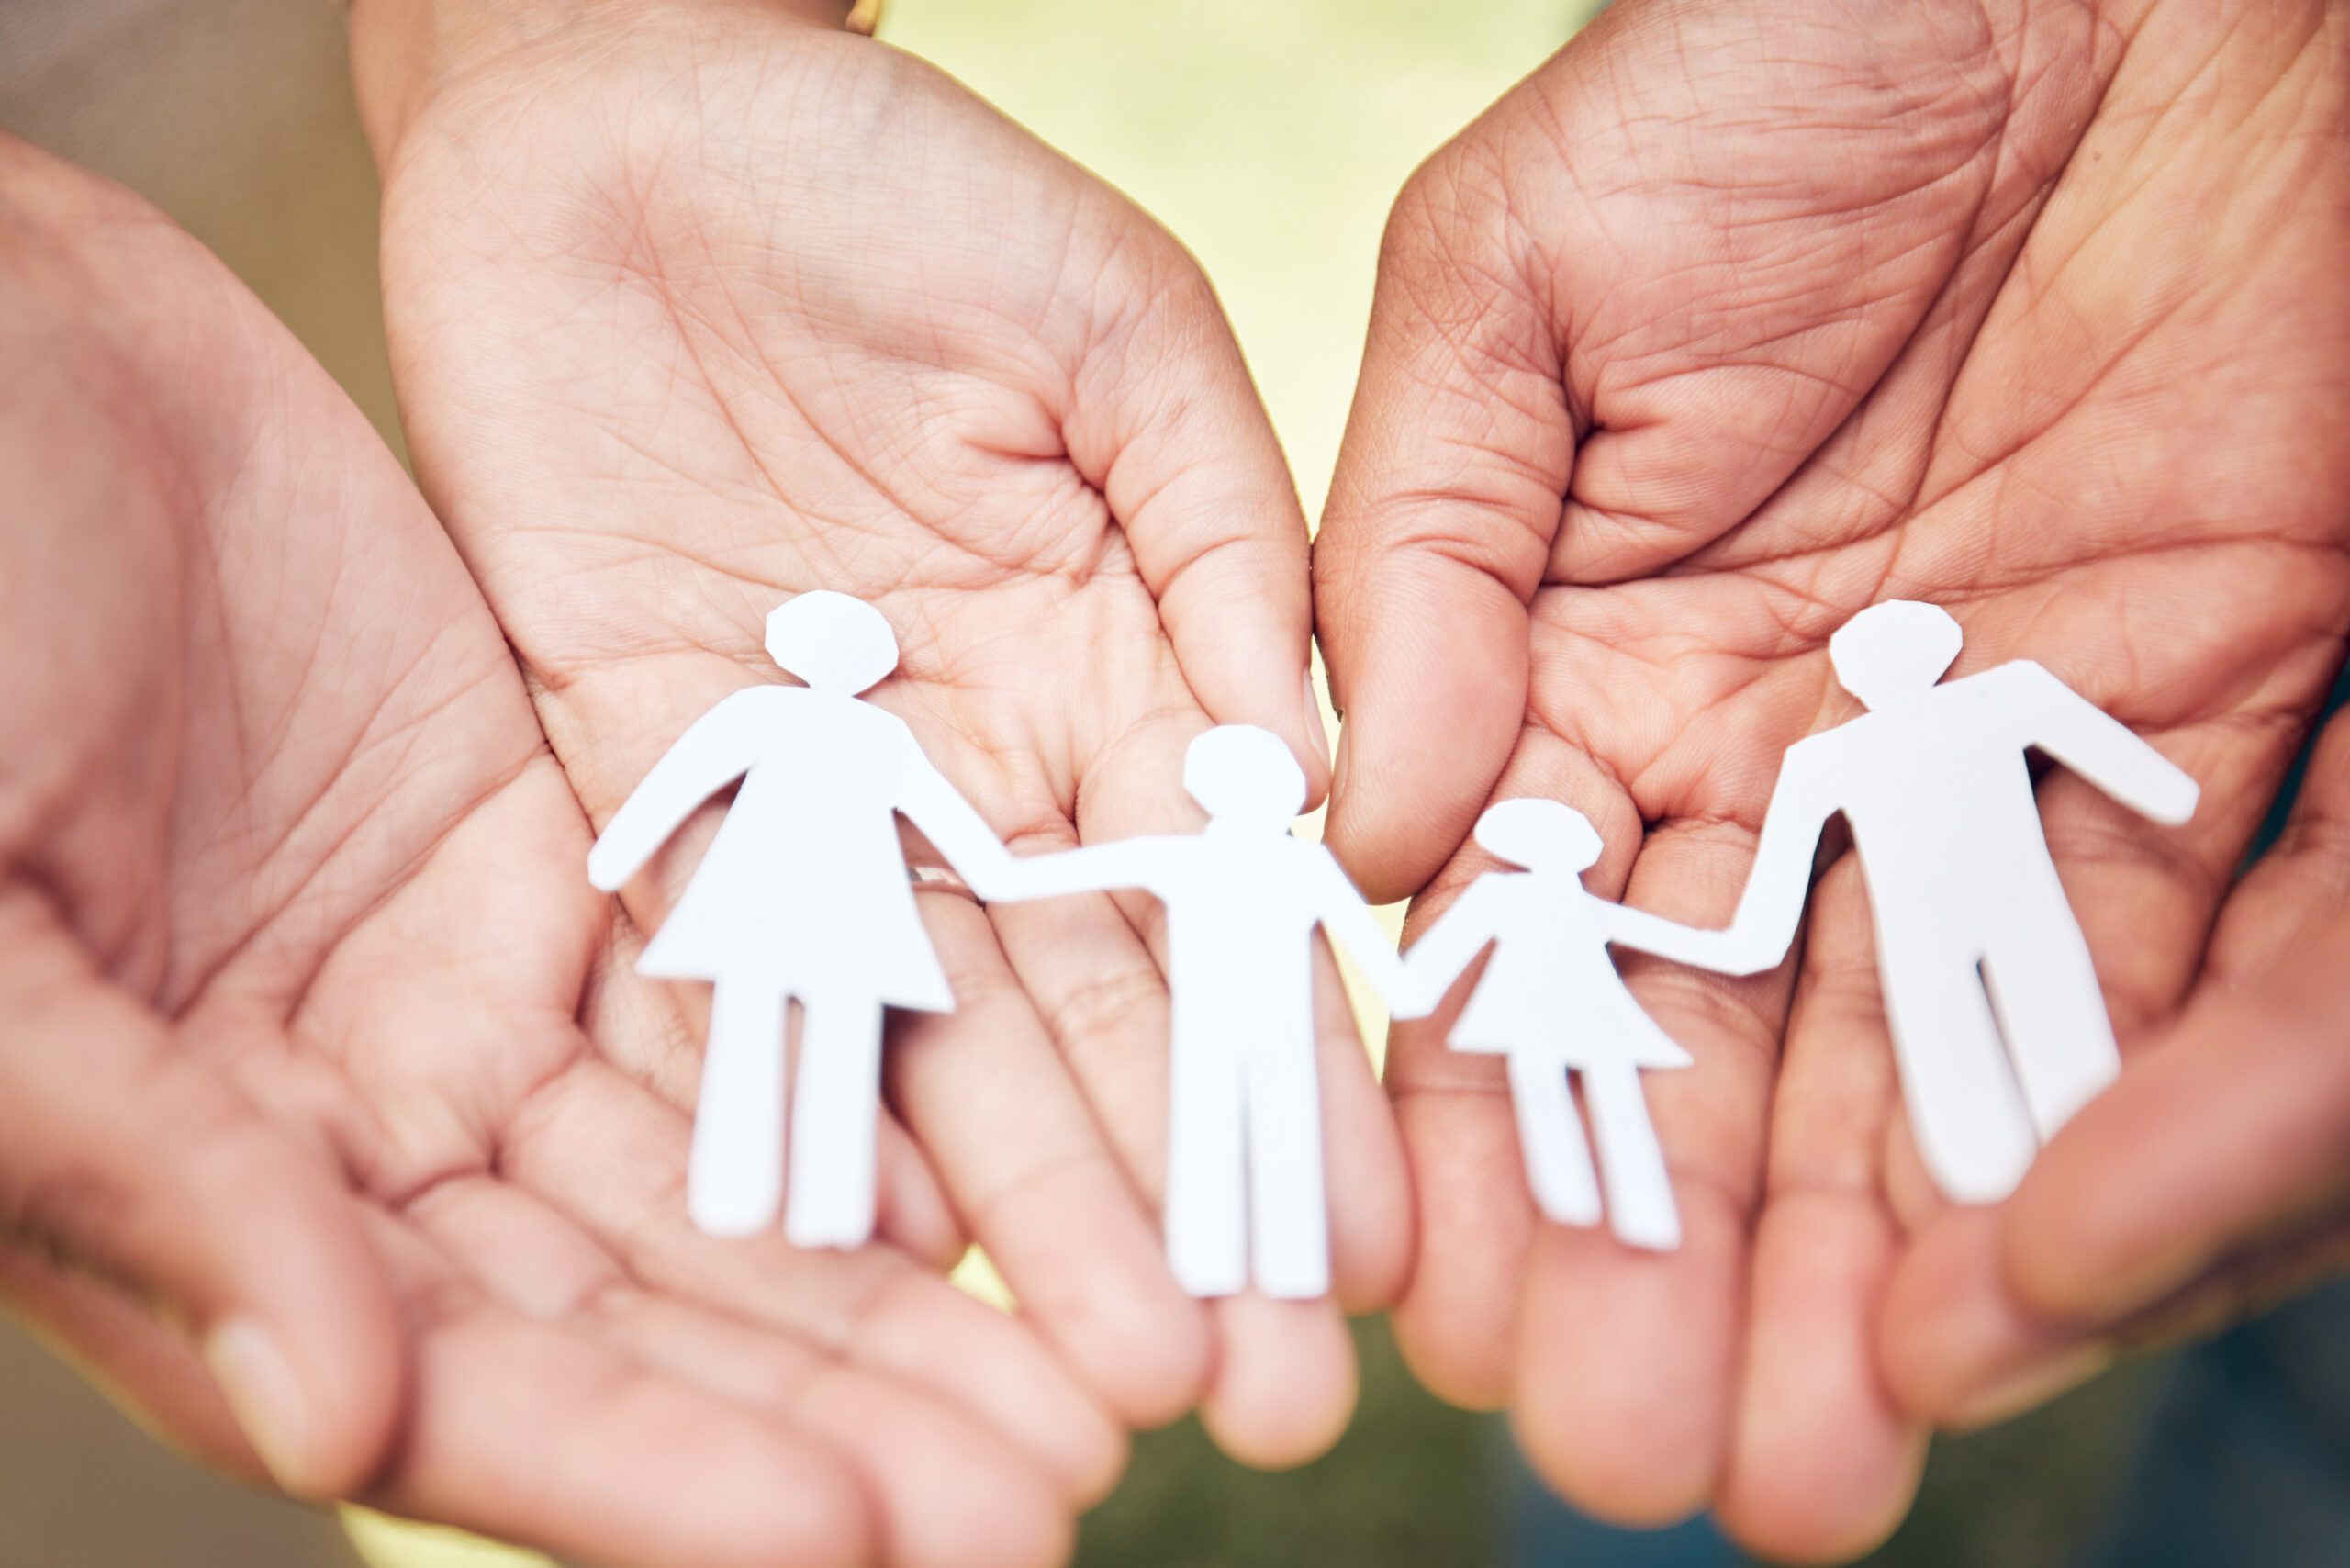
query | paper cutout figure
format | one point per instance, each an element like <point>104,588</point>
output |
<point>1244,1139</point>
<point>803,896</point>
<point>1552,1000</point>
<point>1998,1026</point>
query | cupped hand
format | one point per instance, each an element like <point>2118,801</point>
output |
<point>700,305</point>
<point>1730,320</point>
<point>319,1139</point>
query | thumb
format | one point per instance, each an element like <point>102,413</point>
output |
<point>123,1158</point>
<point>1614,319</point>
<point>2233,1133</point>
<point>1168,425</point>
<point>1441,514</point>
<point>2231,1136</point>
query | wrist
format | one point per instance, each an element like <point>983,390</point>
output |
<point>405,53</point>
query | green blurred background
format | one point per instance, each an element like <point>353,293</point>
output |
<point>1271,137</point>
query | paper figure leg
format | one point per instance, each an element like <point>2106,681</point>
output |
<point>1969,1118</point>
<point>1289,1215</point>
<point>1206,1221</point>
<point>2044,989</point>
<point>1550,1135</point>
<point>1641,1210</point>
<point>835,1113</point>
<point>735,1173</point>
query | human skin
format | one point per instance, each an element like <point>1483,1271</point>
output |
<point>327,1137</point>
<point>2206,1184</point>
<point>1730,320</point>
<point>696,304</point>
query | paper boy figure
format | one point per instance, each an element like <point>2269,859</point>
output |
<point>1997,1023</point>
<point>1244,1137</point>
<point>803,895</point>
<point>1551,998</point>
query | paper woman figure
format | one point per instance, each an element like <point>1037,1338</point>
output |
<point>803,895</point>
<point>1998,1027</point>
<point>1244,1137</point>
<point>1552,1000</point>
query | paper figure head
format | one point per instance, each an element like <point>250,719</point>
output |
<point>1894,650</point>
<point>1245,777</point>
<point>833,642</point>
<point>1538,835</point>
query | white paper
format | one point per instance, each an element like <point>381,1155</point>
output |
<point>1998,1026</point>
<point>803,896</point>
<point>1244,1199</point>
<point>1551,999</point>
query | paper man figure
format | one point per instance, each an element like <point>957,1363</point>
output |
<point>803,895</point>
<point>1551,998</point>
<point>1998,1023</point>
<point>1244,1137</point>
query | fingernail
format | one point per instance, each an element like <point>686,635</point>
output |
<point>263,1393</point>
<point>1338,769</point>
<point>1315,729</point>
<point>2035,1382</point>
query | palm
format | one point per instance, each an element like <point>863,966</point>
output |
<point>755,310</point>
<point>1796,316</point>
<point>371,924</point>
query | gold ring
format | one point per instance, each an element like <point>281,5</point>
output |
<point>939,879</point>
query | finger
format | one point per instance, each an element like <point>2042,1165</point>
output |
<point>994,1105</point>
<point>1282,1380</point>
<point>1822,1462</point>
<point>2232,1131</point>
<point>1364,1174</point>
<point>653,1031</point>
<point>911,1210</point>
<point>2144,1200</point>
<point>1441,514</point>
<point>1460,1321</point>
<point>1284,1384</point>
<point>1956,1346</point>
<point>608,1150</point>
<point>939,1488</point>
<point>141,1361</point>
<point>947,1491</point>
<point>1627,1361</point>
<point>1168,426</point>
<point>612,1159</point>
<point>527,1430</point>
<point>2253,1066</point>
<point>124,1159</point>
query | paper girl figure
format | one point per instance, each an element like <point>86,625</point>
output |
<point>1552,1000</point>
<point>1998,1023</point>
<point>803,895</point>
<point>1244,1141</point>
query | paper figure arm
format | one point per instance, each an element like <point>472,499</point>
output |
<point>1445,948</point>
<point>1349,923</point>
<point>1760,933</point>
<point>1122,863</point>
<point>715,750</point>
<point>1630,927</point>
<point>2101,748</point>
<point>954,826</point>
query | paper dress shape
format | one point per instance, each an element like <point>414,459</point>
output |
<point>1244,1196</point>
<point>803,896</point>
<point>1551,999</point>
<point>1998,1026</point>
